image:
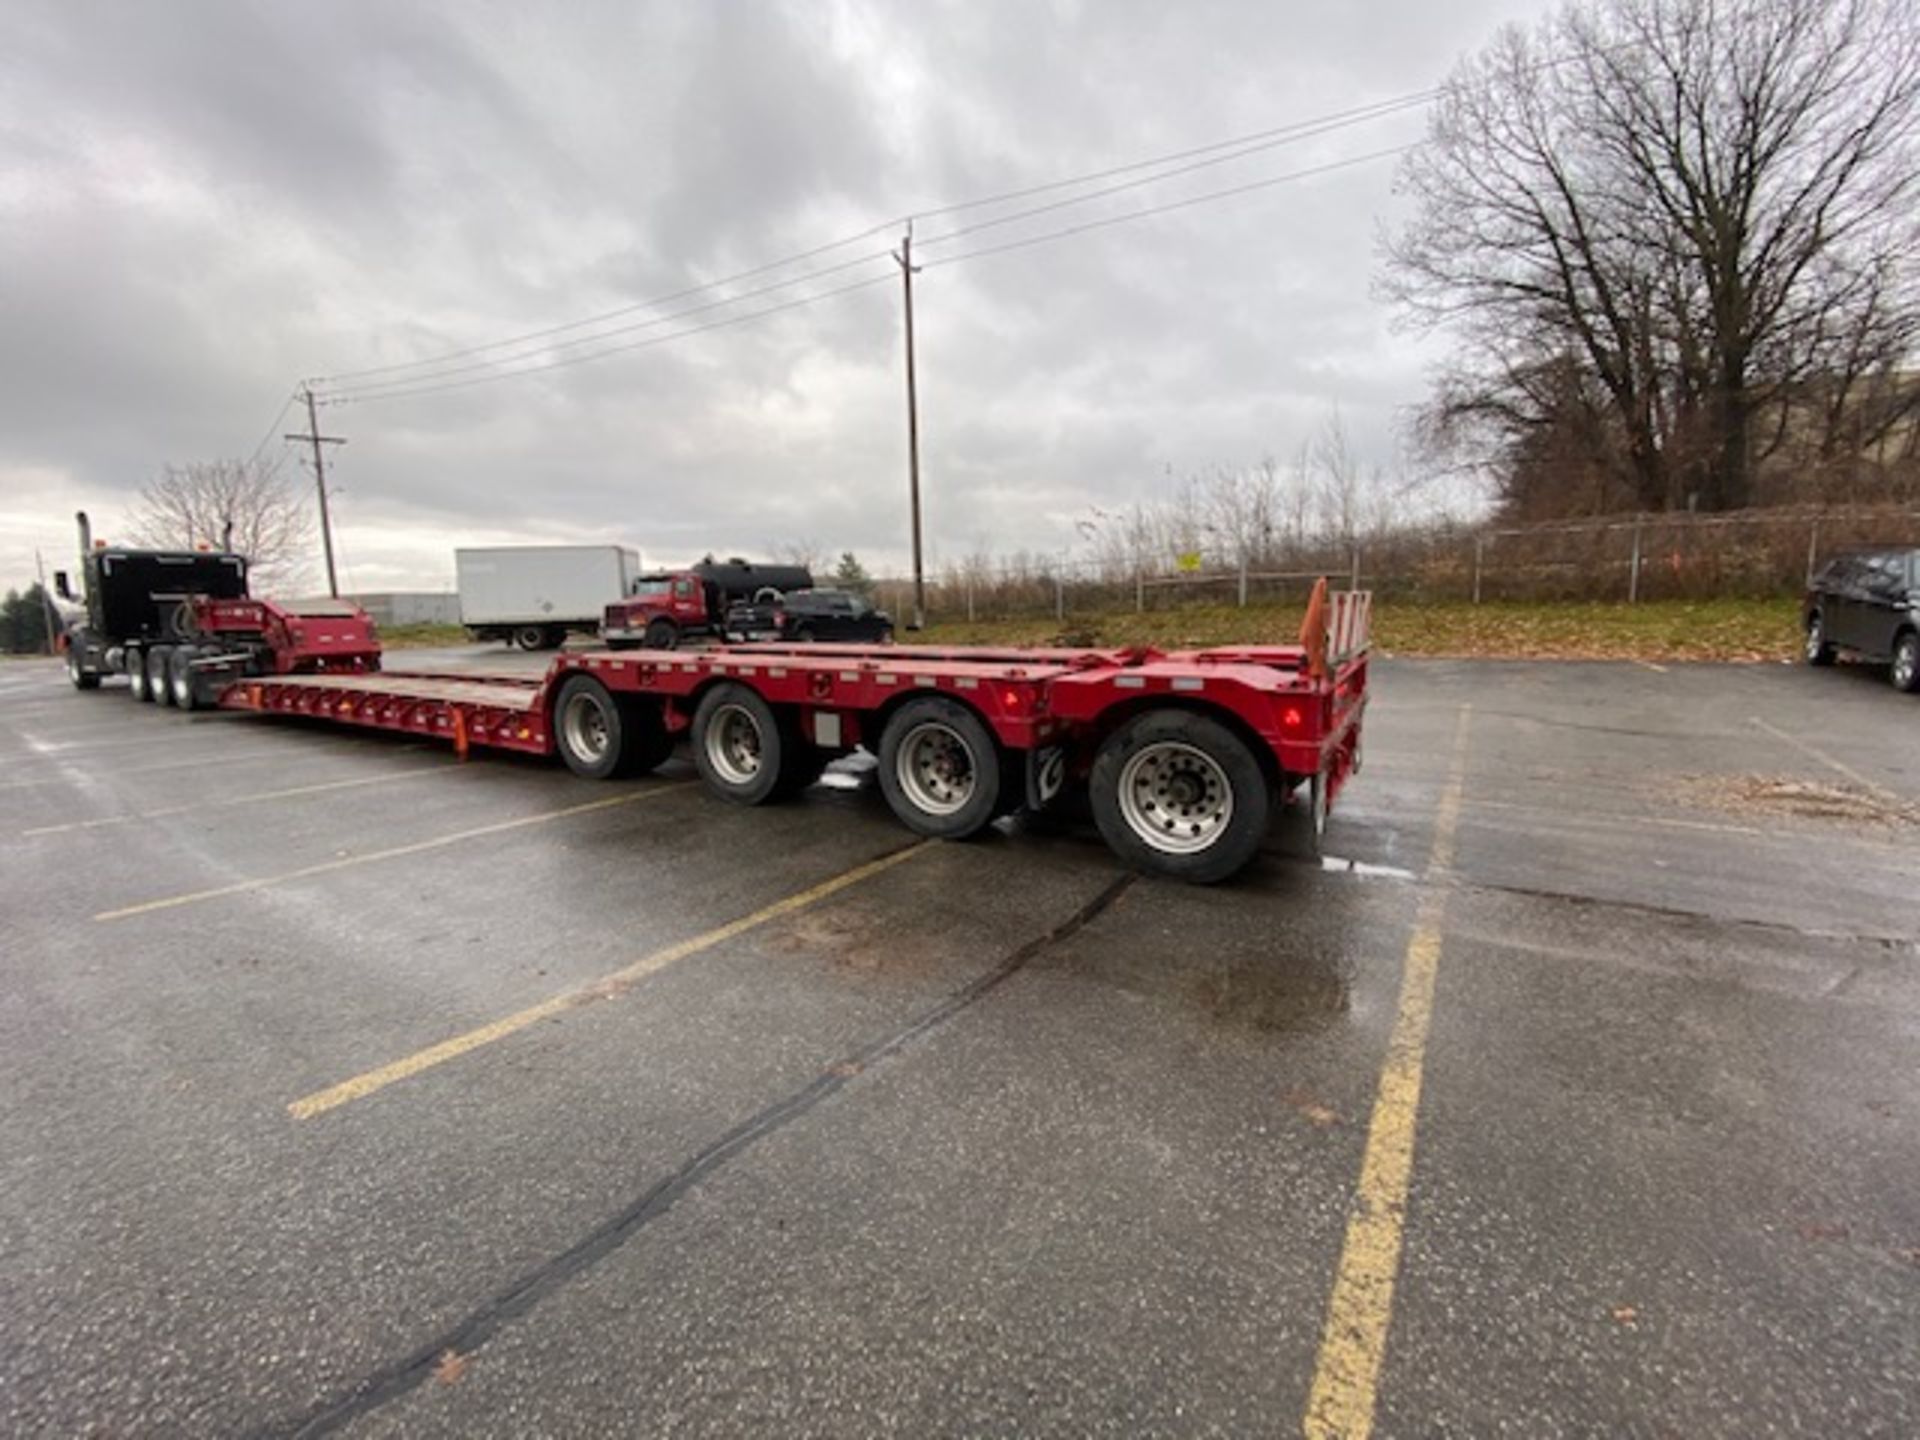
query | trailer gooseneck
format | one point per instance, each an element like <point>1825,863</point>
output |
<point>1186,755</point>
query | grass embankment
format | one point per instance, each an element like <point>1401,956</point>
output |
<point>1751,630</point>
<point>419,637</point>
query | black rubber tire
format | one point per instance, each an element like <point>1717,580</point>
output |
<point>157,660</point>
<point>662,635</point>
<point>886,636</point>
<point>987,765</point>
<point>1905,669</point>
<point>633,741</point>
<point>1818,650</point>
<point>528,637</point>
<point>1250,792</point>
<point>779,747</point>
<point>136,667</point>
<point>77,674</point>
<point>804,635</point>
<point>555,637</point>
<point>183,691</point>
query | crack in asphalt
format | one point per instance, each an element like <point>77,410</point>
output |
<point>1892,944</point>
<point>531,1288</point>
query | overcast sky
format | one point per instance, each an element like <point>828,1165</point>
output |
<point>201,203</point>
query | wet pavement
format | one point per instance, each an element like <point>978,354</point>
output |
<point>348,1089</point>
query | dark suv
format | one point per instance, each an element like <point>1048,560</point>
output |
<point>1868,603</point>
<point>808,615</point>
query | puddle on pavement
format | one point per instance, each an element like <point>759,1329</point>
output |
<point>1265,991</point>
<point>1784,797</point>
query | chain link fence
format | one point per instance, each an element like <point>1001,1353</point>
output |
<point>1754,553</point>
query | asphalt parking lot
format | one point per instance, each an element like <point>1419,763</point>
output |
<point>349,1089</point>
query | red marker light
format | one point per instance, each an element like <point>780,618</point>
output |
<point>1011,699</point>
<point>1291,717</point>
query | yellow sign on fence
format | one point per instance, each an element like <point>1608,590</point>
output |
<point>1189,562</point>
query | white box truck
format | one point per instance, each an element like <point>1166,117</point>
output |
<point>533,596</point>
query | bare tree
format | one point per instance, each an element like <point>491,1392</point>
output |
<point>1650,223</point>
<point>229,505</point>
<point>805,552</point>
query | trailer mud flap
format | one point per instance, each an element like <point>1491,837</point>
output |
<point>1046,775</point>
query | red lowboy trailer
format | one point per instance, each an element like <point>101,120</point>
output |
<point>1186,755</point>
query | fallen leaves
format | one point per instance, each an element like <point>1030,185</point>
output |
<point>1626,1316</point>
<point>1308,1106</point>
<point>451,1366</point>
<point>1790,798</point>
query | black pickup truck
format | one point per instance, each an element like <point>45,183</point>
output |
<point>804,616</point>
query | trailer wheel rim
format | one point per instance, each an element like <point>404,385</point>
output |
<point>734,744</point>
<point>935,768</point>
<point>1176,798</point>
<point>183,686</point>
<point>1816,638</point>
<point>1905,658</point>
<point>585,726</point>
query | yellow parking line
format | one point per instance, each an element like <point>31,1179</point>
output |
<point>1340,1406</point>
<point>604,988</point>
<point>327,867</point>
<point>391,778</point>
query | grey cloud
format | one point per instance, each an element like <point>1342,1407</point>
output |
<point>204,201</point>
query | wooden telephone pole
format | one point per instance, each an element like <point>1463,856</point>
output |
<point>904,258</point>
<point>316,439</point>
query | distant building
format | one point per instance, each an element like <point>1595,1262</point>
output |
<point>411,607</point>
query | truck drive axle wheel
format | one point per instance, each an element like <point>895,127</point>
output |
<point>180,680</point>
<point>159,661</point>
<point>136,663</point>
<point>1179,794</point>
<point>530,637</point>
<point>941,769</point>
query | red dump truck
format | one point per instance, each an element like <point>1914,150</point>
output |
<point>1186,756</point>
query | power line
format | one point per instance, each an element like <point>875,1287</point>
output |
<point>613,349</point>
<point>1305,131</point>
<point>1239,146</point>
<point>366,391</point>
<point>1151,211</point>
<point>376,394</point>
<point>278,416</point>
<point>624,310</point>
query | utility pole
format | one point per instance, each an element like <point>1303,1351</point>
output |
<point>904,258</point>
<point>316,439</point>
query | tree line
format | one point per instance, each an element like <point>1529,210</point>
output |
<point>1674,242</point>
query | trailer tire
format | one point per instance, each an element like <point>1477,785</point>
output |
<point>77,672</point>
<point>1179,794</point>
<point>941,769</point>
<point>527,637</point>
<point>157,660</point>
<point>741,748</point>
<point>662,635</point>
<point>599,738</point>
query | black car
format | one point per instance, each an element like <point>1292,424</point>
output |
<point>809,615</point>
<point>1868,604</point>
